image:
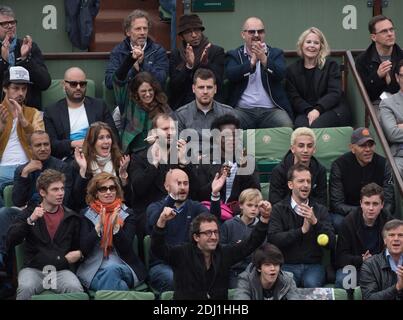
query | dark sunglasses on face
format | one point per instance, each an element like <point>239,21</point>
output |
<point>253,32</point>
<point>74,84</point>
<point>104,189</point>
<point>7,24</point>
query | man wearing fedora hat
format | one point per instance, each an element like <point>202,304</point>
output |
<point>17,122</point>
<point>195,51</point>
<point>355,169</point>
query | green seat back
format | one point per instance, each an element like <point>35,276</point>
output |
<point>8,196</point>
<point>167,295</point>
<point>264,189</point>
<point>147,248</point>
<point>55,92</point>
<point>331,143</point>
<point>49,295</point>
<point>339,294</point>
<point>357,293</point>
<point>123,295</point>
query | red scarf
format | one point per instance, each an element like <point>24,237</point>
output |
<point>109,215</point>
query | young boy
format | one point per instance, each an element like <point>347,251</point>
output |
<point>240,227</point>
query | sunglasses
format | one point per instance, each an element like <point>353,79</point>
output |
<point>104,189</point>
<point>74,84</point>
<point>253,32</point>
<point>8,24</point>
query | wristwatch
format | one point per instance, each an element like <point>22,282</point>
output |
<point>30,222</point>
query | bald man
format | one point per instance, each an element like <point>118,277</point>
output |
<point>68,120</point>
<point>177,230</point>
<point>255,72</point>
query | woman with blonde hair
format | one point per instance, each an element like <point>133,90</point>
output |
<point>107,232</point>
<point>313,84</point>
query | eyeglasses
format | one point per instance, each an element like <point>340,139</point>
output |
<point>104,189</point>
<point>253,32</point>
<point>386,31</point>
<point>209,233</point>
<point>8,24</point>
<point>74,84</point>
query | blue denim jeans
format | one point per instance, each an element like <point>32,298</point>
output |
<point>337,220</point>
<point>254,118</point>
<point>113,277</point>
<point>161,277</point>
<point>307,275</point>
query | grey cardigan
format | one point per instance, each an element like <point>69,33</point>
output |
<point>391,114</point>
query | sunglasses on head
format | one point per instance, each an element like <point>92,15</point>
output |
<point>104,189</point>
<point>74,84</point>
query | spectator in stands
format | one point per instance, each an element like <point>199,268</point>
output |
<point>17,122</point>
<point>233,162</point>
<point>139,102</point>
<point>355,169</point>
<point>137,52</point>
<point>100,153</point>
<point>313,84</point>
<point>264,280</point>
<point>382,275</point>
<point>68,120</point>
<point>177,231</point>
<point>295,224</point>
<point>361,232</point>
<point>203,110</point>
<point>201,267</point>
<point>377,63</point>
<point>106,237</point>
<point>303,147</point>
<point>391,114</point>
<point>149,166</point>
<point>24,53</point>
<point>240,227</point>
<point>255,72</point>
<point>45,245</point>
<point>195,51</point>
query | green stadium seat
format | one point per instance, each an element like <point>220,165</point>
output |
<point>264,189</point>
<point>49,295</point>
<point>123,295</point>
<point>357,293</point>
<point>168,295</point>
<point>331,143</point>
<point>55,92</point>
<point>340,294</point>
<point>108,96</point>
<point>8,196</point>
<point>147,248</point>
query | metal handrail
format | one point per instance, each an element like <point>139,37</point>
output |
<point>374,119</point>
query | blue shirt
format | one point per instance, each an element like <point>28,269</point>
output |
<point>392,263</point>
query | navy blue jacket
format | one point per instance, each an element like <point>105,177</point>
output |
<point>155,62</point>
<point>238,69</point>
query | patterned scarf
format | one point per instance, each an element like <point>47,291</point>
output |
<point>106,162</point>
<point>198,51</point>
<point>108,221</point>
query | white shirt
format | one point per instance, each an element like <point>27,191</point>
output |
<point>14,153</point>
<point>78,123</point>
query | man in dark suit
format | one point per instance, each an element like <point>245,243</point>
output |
<point>68,120</point>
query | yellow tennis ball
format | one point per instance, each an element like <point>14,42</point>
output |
<point>323,239</point>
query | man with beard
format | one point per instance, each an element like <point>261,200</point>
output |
<point>195,51</point>
<point>17,122</point>
<point>68,120</point>
<point>376,65</point>
<point>177,230</point>
<point>201,112</point>
<point>296,222</point>
<point>352,171</point>
<point>255,72</point>
<point>24,53</point>
<point>149,56</point>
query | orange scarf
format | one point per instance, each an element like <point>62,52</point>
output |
<point>109,215</point>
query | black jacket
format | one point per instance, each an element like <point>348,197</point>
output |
<point>187,262</point>
<point>378,280</point>
<point>181,79</point>
<point>57,123</point>
<point>122,242</point>
<point>40,250</point>
<point>25,188</point>
<point>206,174</point>
<point>367,64</point>
<point>278,181</point>
<point>347,177</point>
<point>285,232</point>
<point>38,73</point>
<point>350,245</point>
<point>326,85</point>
